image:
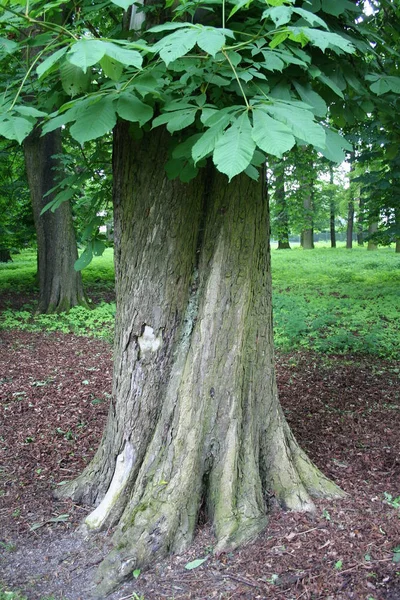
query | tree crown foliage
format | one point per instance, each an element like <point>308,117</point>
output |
<point>252,78</point>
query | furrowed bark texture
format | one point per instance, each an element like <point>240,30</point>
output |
<point>195,420</point>
<point>60,286</point>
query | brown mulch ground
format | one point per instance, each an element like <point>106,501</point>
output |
<point>54,391</point>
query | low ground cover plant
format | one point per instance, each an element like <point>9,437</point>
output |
<point>326,300</point>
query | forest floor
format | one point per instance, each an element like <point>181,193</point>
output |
<point>345,411</point>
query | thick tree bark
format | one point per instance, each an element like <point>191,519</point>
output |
<point>195,419</point>
<point>350,225</point>
<point>60,286</point>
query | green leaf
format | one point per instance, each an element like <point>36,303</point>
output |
<point>280,15</point>
<point>112,68</point>
<point>337,7</point>
<point>252,172</point>
<point>8,46</point>
<point>168,27</point>
<point>136,573</point>
<point>50,61</point>
<point>29,111</point>
<point>95,120</point>
<point>177,44</point>
<point>310,17</point>
<point>206,144</point>
<point>301,123</point>
<point>16,128</point>
<point>61,197</point>
<point>272,136</point>
<point>85,53</point>
<point>338,565</point>
<point>278,38</point>
<point>326,39</point>
<point>272,61</point>
<point>73,80</point>
<point>211,40</point>
<point>132,109</point>
<point>195,563</point>
<point>125,4</point>
<point>84,260</point>
<point>235,148</point>
<point>126,56</point>
<point>310,97</point>
<point>98,247</point>
<point>334,147</point>
<point>176,120</point>
<point>331,84</point>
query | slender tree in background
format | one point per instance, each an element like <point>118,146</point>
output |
<point>281,209</point>
<point>195,420</point>
<point>60,286</point>
<point>332,229</point>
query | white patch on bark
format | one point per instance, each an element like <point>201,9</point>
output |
<point>137,17</point>
<point>123,467</point>
<point>148,342</point>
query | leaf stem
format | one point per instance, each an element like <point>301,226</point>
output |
<point>237,79</point>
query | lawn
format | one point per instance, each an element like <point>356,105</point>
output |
<point>325,300</point>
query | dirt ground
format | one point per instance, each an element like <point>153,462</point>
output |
<point>54,392</point>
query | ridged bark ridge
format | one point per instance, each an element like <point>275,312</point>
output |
<point>195,421</point>
<point>60,286</point>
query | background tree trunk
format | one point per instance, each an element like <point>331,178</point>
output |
<point>60,286</point>
<point>372,228</point>
<point>332,211</point>
<point>281,206</point>
<point>307,235</point>
<point>350,225</point>
<point>195,420</point>
<point>5,255</point>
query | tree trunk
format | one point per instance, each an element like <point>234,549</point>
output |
<point>60,286</point>
<point>360,223</point>
<point>332,211</point>
<point>281,206</point>
<point>307,235</point>
<point>5,255</point>
<point>350,225</point>
<point>372,228</point>
<point>397,229</point>
<point>195,420</point>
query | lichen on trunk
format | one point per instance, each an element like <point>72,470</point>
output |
<point>197,413</point>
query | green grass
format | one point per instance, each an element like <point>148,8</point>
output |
<point>19,275</point>
<point>325,300</point>
<point>337,300</point>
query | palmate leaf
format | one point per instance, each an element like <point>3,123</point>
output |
<point>132,109</point>
<point>310,97</point>
<point>95,120</point>
<point>270,135</point>
<point>86,53</point>
<point>176,44</point>
<point>206,144</point>
<point>235,148</point>
<point>16,128</point>
<point>176,120</point>
<point>50,61</point>
<point>326,39</point>
<point>300,121</point>
<point>73,80</point>
<point>211,40</point>
<point>335,146</point>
